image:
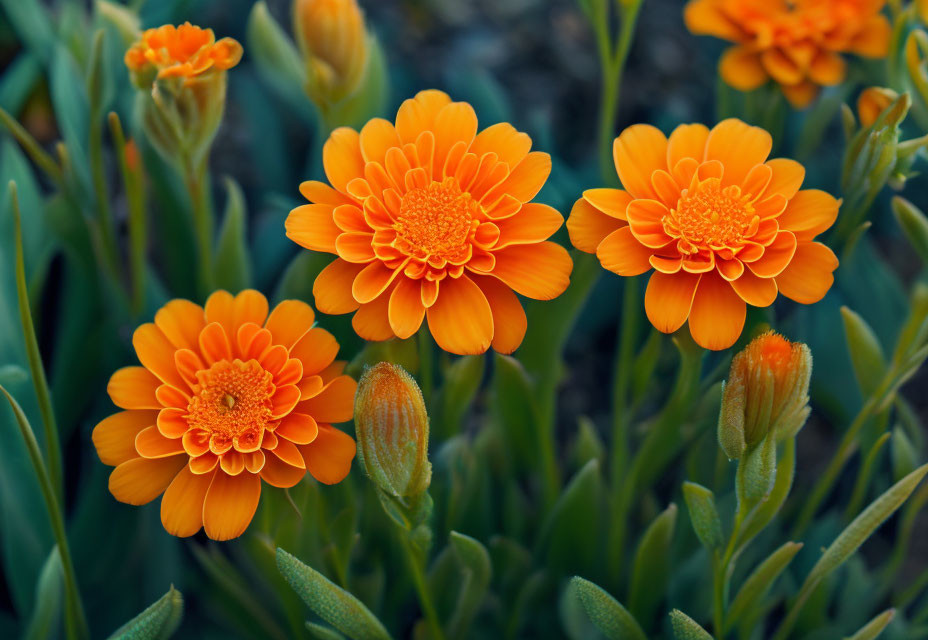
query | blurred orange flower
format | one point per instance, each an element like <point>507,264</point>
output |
<point>334,42</point>
<point>226,396</point>
<point>185,51</point>
<point>430,219</point>
<point>797,43</point>
<point>720,223</point>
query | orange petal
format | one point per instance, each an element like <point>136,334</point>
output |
<point>758,292</point>
<point>181,321</point>
<point>741,68</point>
<point>335,403</point>
<point>872,41</point>
<point>156,353</point>
<point>341,156</point>
<point>289,321</point>
<point>780,67</point>
<point>418,114</point>
<point>278,473</point>
<point>172,422</point>
<point>316,350</point>
<point>809,213</point>
<point>739,147</point>
<point>705,17</point>
<point>787,177</point>
<point>376,137</point>
<point>456,122</point>
<point>372,321</point>
<point>313,227</point>
<point>539,271</point>
<point>525,180</point>
<point>668,299</point>
<point>828,68</point>
<point>687,141</point>
<point>298,428</point>
<point>151,444</point>
<point>332,288</point>
<point>639,151</point>
<point>114,437</point>
<point>139,481</point>
<point>503,139</point>
<point>717,316</point>
<point>757,180</point>
<point>800,95</point>
<point>809,276</point>
<point>622,253</point>
<point>645,219</point>
<point>288,452</point>
<point>203,463</point>
<point>182,504</point>
<point>328,457</point>
<point>214,344</point>
<point>534,222</point>
<point>509,321</point>
<point>460,320</point>
<point>372,281</point>
<point>406,311</point>
<point>134,388</point>
<point>230,504</point>
<point>284,400</point>
<point>775,257</point>
<point>612,202</point>
<point>587,226</point>
<point>321,193</point>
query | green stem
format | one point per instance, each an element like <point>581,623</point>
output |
<point>426,365</point>
<point>75,621</point>
<point>39,380</point>
<point>32,148</point>
<point>718,597</point>
<point>196,179</point>
<point>135,195</point>
<point>416,566</point>
<point>105,217</point>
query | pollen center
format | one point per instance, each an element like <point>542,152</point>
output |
<point>438,220</point>
<point>232,403</point>
<point>710,216</point>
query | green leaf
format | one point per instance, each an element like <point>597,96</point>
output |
<point>875,627</point>
<point>866,352</point>
<point>514,407</point>
<point>275,54</point>
<point>850,540</point>
<point>371,98</point>
<point>329,601</point>
<point>321,632</point>
<point>476,571</point>
<point>461,383</point>
<point>232,263</point>
<point>571,528</point>
<point>904,455</point>
<point>607,613</point>
<point>157,622</point>
<point>72,111</point>
<point>49,600</point>
<point>588,445</point>
<point>914,225</point>
<point>751,594</point>
<point>685,628</point>
<point>704,515</point>
<point>33,26</point>
<point>651,568</point>
<point>766,511</point>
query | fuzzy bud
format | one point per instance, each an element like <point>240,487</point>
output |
<point>393,431</point>
<point>872,102</point>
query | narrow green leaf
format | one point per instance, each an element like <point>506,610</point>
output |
<point>588,445</point>
<point>866,353</point>
<point>49,600</point>
<point>685,628</point>
<point>321,632</point>
<point>607,613</point>
<point>461,382</point>
<point>33,26</point>
<point>571,528</point>
<point>275,54</point>
<point>758,584</point>
<point>157,622</point>
<point>862,483</point>
<point>476,571</point>
<point>914,225</point>
<point>329,601</point>
<point>232,263</point>
<point>704,515</point>
<point>904,455</point>
<point>875,627</point>
<point>850,540</point>
<point>513,404</point>
<point>651,568</point>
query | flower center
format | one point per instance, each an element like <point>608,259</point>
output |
<point>437,220</point>
<point>711,217</point>
<point>232,403</point>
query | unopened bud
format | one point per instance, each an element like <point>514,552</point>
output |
<point>393,430</point>
<point>872,102</point>
<point>767,392</point>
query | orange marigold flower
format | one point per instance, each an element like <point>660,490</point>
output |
<point>430,219</point>
<point>334,42</point>
<point>226,396</point>
<point>185,51</point>
<point>872,102</point>
<point>796,43</point>
<point>719,223</point>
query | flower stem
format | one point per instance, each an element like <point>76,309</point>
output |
<point>195,176</point>
<point>416,566</point>
<point>426,362</point>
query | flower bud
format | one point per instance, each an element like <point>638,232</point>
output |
<point>182,72</point>
<point>334,43</point>
<point>872,102</point>
<point>767,392</point>
<point>393,430</point>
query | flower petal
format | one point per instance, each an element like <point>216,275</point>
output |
<point>376,137</point>
<point>298,428</point>
<point>587,226</point>
<point>622,253</point>
<point>639,151</point>
<point>612,202</point>
<point>809,213</point>
<point>775,257</point>
<point>460,320</point>
<point>313,227</point>
<point>156,353</point>
<point>718,313</point>
<point>134,388</point>
<point>372,321</point>
<point>739,147</point>
<point>182,504</point>
<point>332,288</point>
<point>289,321</point>
<point>535,222</point>
<point>668,299</point>
<point>406,311</point>
<point>787,177</point>
<point>139,481</point>
<point>341,157</point>
<point>758,292</point>
<point>114,437</point>
<point>230,504</point>
<point>809,275</point>
<point>741,68</point>
<point>151,444</point>
<point>418,114</point>
<point>328,457</point>
<point>181,321</point>
<point>539,271</point>
<point>687,141</point>
<point>278,473</point>
<point>335,403</point>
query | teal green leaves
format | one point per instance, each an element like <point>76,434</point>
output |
<point>703,514</point>
<point>607,613</point>
<point>157,622</point>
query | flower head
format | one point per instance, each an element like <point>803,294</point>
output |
<point>872,102</point>
<point>430,219</point>
<point>227,396</point>
<point>767,391</point>
<point>393,430</point>
<point>719,223</point>
<point>334,42</point>
<point>186,51</point>
<point>796,43</point>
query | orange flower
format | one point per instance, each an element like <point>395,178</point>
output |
<point>720,223</point>
<point>226,396</point>
<point>185,51</point>
<point>334,42</point>
<point>430,219</point>
<point>872,102</point>
<point>797,43</point>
